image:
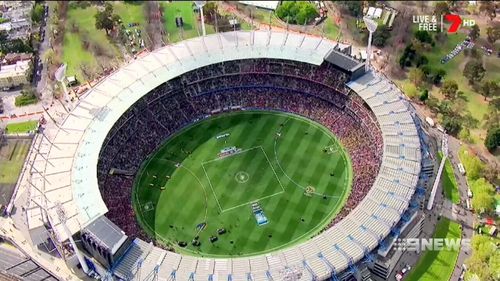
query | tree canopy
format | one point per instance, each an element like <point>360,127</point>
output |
<point>490,89</point>
<point>106,19</point>
<point>474,71</point>
<point>493,33</point>
<point>296,12</point>
<point>441,8</point>
<point>37,13</point>
<point>475,32</point>
<point>449,89</point>
<point>492,140</point>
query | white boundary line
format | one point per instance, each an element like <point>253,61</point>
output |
<point>211,187</point>
<point>272,168</point>
<point>246,203</point>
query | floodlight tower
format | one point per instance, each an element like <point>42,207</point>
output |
<point>60,74</point>
<point>200,5</point>
<point>372,26</point>
<point>61,214</point>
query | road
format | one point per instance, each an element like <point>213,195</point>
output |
<point>464,216</point>
<point>41,86</point>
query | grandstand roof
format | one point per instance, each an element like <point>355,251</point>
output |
<point>343,61</point>
<point>67,173</point>
<point>107,233</point>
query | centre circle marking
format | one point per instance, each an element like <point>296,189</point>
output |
<point>242,177</point>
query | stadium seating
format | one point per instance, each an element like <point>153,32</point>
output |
<point>273,85</point>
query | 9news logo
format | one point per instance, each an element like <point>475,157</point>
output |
<point>430,23</point>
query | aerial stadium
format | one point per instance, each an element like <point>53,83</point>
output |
<point>234,156</point>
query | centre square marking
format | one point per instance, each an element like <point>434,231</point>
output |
<point>242,178</point>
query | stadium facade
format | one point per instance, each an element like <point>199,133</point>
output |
<point>65,200</point>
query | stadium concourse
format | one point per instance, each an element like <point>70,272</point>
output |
<point>66,200</point>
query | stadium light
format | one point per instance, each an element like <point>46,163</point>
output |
<point>60,74</point>
<point>200,5</point>
<point>372,26</point>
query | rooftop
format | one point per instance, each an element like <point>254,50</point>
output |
<point>14,69</point>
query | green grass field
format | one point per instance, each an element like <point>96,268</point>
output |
<point>281,157</point>
<point>21,128</point>
<point>80,24</point>
<point>437,265</point>
<point>449,183</point>
<point>183,9</point>
<point>12,157</point>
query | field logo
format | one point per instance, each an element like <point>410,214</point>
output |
<point>430,22</point>
<point>241,177</point>
<point>431,244</point>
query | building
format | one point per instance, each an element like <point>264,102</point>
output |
<point>268,5</point>
<point>18,14</point>
<point>12,58</point>
<point>14,75</point>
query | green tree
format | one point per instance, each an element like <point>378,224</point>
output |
<point>474,71</point>
<point>495,103</point>
<point>424,95</point>
<point>441,8</point>
<point>433,104</point>
<point>449,89</point>
<point>106,19</point>
<point>492,140</point>
<point>380,36</point>
<point>355,8</point>
<point>416,75</point>
<point>475,32</point>
<point>493,34</point>
<point>296,12</point>
<point>490,89</point>
<point>464,135</point>
<point>451,125</point>
<point>48,56</point>
<point>37,13</point>
<point>423,36</point>
<point>438,75</point>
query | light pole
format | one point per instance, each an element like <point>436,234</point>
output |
<point>200,5</point>
<point>60,74</point>
<point>372,26</point>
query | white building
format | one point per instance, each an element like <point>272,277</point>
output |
<point>269,5</point>
<point>15,74</point>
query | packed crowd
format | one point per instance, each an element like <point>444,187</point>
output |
<point>316,92</point>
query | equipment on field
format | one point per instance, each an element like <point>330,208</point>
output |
<point>259,214</point>
<point>309,191</point>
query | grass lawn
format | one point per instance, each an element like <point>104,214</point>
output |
<point>186,189</point>
<point>21,128</point>
<point>12,158</point>
<point>131,13</point>
<point>475,103</point>
<point>183,9</point>
<point>25,99</point>
<point>437,265</point>
<point>331,29</point>
<point>449,183</point>
<point>74,52</point>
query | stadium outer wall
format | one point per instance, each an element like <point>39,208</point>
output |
<point>327,254</point>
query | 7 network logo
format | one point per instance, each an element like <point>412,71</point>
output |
<point>430,23</point>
